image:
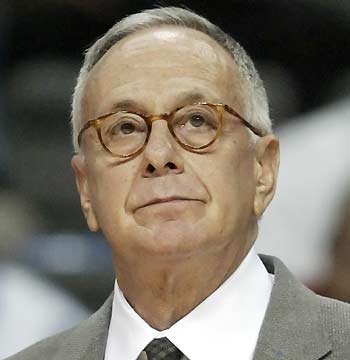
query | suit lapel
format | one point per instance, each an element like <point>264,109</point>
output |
<point>292,328</point>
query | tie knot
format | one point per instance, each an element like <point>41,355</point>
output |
<point>162,349</point>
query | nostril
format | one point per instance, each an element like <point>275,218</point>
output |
<point>150,168</point>
<point>171,165</point>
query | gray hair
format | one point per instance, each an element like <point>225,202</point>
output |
<point>255,105</point>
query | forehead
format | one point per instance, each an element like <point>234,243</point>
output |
<point>168,57</point>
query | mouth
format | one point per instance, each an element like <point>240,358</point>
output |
<point>166,200</point>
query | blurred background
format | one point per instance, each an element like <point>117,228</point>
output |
<point>53,272</point>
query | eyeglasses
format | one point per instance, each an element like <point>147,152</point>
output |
<point>195,127</point>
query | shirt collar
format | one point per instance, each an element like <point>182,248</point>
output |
<point>226,323</point>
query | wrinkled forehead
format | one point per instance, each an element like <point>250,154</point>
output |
<point>161,40</point>
<point>166,52</point>
<point>171,40</point>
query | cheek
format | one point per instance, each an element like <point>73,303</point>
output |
<point>109,190</point>
<point>231,185</point>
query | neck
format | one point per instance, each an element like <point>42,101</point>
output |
<point>163,291</point>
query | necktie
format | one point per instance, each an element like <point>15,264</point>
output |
<point>162,349</point>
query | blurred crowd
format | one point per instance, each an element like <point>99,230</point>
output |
<point>48,260</point>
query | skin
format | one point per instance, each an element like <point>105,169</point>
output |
<point>170,256</point>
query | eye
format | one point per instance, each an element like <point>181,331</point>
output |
<point>124,124</point>
<point>127,128</point>
<point>197,120</point>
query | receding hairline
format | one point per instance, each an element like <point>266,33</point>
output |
<point>228,61</point>
<point>154,28</point>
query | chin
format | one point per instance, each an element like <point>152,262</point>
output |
<point>174,238</point>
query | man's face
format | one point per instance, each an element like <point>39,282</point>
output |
<point>156,71</point>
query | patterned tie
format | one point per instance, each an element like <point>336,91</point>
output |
<point>162,349</point>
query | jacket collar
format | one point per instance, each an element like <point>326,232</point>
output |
<point>292,327</point>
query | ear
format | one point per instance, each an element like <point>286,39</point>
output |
<point>266,171</point>
<point>81,179</point>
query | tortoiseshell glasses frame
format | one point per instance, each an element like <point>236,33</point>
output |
<point>149,119</point>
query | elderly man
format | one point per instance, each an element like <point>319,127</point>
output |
<point>176,162</point>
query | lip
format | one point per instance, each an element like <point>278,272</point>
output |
<point>165,200</point>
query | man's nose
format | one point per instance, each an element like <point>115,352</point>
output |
<point>161,155</point>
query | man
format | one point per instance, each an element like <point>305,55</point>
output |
<point>176,162</point>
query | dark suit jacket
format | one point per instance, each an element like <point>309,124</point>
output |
<point>298,325</point>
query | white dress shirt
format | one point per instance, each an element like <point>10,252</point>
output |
<point>225,325</point>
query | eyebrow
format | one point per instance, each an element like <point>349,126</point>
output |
<point>190,97</point>
<point>126,104</point>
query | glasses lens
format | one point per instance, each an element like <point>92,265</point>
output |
<point>196,125</point>
<point>124,133</point>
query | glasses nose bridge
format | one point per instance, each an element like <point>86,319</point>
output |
<point>160,146</point>
<point>153,118</point>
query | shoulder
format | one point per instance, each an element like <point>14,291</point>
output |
<point>334,313</point>
<point>45,349</point>
<point>301,320</point>
<point>85,341</point>
<point>336,318</point>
